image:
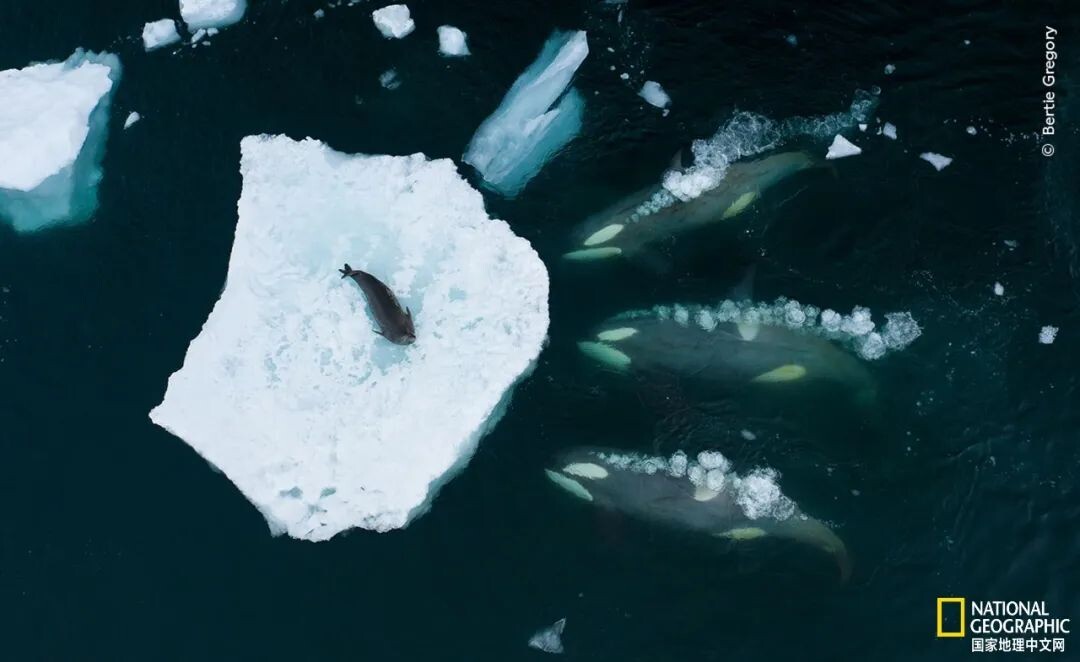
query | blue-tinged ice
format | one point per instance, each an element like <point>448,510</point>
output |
<point>538,116</point>
<point>53,124</point>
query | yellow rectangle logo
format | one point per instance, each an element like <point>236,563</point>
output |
<point>940,630</point>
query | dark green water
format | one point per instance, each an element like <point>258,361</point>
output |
<point>120,543</point>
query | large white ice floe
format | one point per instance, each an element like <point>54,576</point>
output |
<point>452,42</point>
<point>842,147</point>
<point>393,21</point>
<point>322,424</point>
<point>538,116</point>
<point>159,33</point>
<point>53,123</point>
<point>205,14</point>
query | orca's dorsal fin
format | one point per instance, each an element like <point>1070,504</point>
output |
<point>744,289</point>
<point>677,161</point>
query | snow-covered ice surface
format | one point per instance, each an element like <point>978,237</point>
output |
<point>159,33</point>
<point>211,13</point>
<point>1047,334</point>
<point>452,42</point>
<point>937,160</point>
<point>537,117</point>
<point>857,331</point>
<point>132,118</point>
<point>322,424</point>
<point>842,147</point>
<point>393,21</point>
<point>55,117</point>
<point>748,134</point>
<point>653,93</point>
<point>549,640</point>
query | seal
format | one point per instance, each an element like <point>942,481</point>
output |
<point>395,322</point>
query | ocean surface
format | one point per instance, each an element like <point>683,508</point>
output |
<point>121,543</point>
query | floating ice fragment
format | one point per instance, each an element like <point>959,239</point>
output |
<point>748,435</point>
<point>211,13</point>
<point>999,289</point>
<point>937,160</point>
<point>624,76</point>
<point>452,41</point>
<point>1047,334</point>
<point>653,93</point>
<point>841,147</point>
<point>393,21</point>
<point>287,385</point>
<point>319,13</point>
<point>131,119</point>
<point>156,34</point>
<point>889,130</point>
<point>549,640</point>
<point>862,126</point>
<point>197,36</point>
<point>792,40</point>
<point>389,79</point>
<point>537,117</point>
<point>53,124</point>
<point>889,69</point>
<point>971,130</point>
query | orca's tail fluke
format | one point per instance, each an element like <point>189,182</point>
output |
<point>347,271</point>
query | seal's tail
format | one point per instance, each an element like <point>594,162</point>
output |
<point>347,271</point>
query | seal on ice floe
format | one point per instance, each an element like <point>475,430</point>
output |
<point>395,322</point>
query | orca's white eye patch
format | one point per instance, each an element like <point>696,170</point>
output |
<point>605,354</point>
<point>744,533</point>
<point>586,470</point>
<point>603,234</point>
<point>615,335</point>
<point>785,373</point>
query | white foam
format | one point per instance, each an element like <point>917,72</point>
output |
<point>549,640</point>
<point>53,124</point>
<point>654,94</point>
<point>156,34</point>
<point>678,464</point>
<point>393,21</point>
<point>759,496</point>
<point>713,460</point>
<point>452,42</point>
<point>319,422</point>
<point>1047,334</point>
<point>132,118</point>
<point>201,14</point>
<point>538,116</point>
<point>842,147</point>
<point>937,160</point>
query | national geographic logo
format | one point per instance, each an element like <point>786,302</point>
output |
<point>1005,626</point>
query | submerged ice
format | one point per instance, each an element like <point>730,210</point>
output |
<point>549,640</point>
<point>53,124</point>
<point>320,423</point>
<point>538,116</point>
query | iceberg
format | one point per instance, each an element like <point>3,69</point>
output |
<point>53,125</point>
<point>159,33</point>
<point>452,41</point>
<point>393,21</point>
<point>319,422</point>
<point>536,118</point>
<point>204,14</point>
<point>654,94</point>
<point>842,147</point>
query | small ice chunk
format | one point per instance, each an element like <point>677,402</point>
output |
<point>967,42</point>
<point>197,37</point>
<point>792,40</point>
<point>713,460</point>
<point>538,116</point>
<point>1011,244</point>
<point>210,32</point>
<point>156,34</point>
<point>288,386</point>
<point>999,289</point>
<point>1047,334</point>
<point>971,131</point>
<point>889,69</point>
<point>862,127</point>
<point>389,79</point>
<point>452,42</point>
<point>549,640</point>
<point>748,435</point>
<point>393,21</point>
<point>841,147</point>
<point>131,119</point>
<point>937,160</point>
<point>54,119</point>
<point>889,130</point>
<point>624,76</point>
<point>653,93</point>
<point>198,14</point>
<point>319,13</point>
